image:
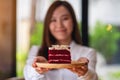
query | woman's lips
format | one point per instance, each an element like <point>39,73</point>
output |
<point>60,30</point>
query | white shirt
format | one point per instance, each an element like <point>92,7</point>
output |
<point>77,51</point>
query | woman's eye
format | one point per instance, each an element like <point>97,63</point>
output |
<point>53,20</point>
<point>66,18</point>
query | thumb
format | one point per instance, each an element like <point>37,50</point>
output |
<point>83,59</point>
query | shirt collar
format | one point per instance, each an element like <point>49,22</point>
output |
<point>72,43</point>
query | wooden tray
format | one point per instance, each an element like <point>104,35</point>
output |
<point>51,65</point>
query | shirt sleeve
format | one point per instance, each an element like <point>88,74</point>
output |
<point>29,71</point>
<point>91,74</point>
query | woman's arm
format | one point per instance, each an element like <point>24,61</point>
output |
<point>29,71</point>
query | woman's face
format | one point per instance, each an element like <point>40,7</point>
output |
<point>61,25</point>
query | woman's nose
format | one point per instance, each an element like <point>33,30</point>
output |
<point>59,24</point>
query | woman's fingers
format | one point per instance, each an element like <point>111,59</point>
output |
<point>79,70</point>
<point>41,70</point>
<point>40,59</point>
<point>72,69</point>
<point>34,65</point>
<point>84,68</point>
<point>80,73</point>
<point>83,59</point>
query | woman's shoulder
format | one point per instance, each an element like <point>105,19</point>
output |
<point>85,48</point>
<point>82,51</point>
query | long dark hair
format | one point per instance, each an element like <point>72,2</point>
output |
<point>48,38</point>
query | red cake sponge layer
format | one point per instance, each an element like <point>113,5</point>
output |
<point>59,54</point>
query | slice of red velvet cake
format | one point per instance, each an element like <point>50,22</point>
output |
<point>59,54</point>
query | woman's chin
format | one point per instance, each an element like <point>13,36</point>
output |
<point>61,39</point>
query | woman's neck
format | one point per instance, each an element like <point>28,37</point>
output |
<point>64,42</point>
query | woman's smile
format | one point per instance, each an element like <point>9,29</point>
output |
<point>61,31</point>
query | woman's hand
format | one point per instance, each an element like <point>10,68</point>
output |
<point>81,71</point>
<point>40,69</point>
